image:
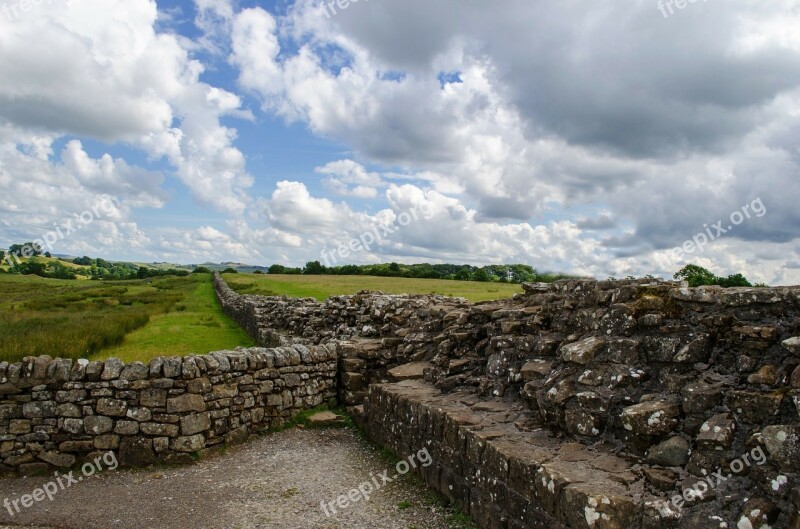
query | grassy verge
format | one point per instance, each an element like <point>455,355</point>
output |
<point>82,319</point>
<point>195,325</point>
<point>323,287</point>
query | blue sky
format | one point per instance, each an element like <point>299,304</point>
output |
<point>584,139</point>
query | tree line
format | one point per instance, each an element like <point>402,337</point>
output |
<point>516,273</point>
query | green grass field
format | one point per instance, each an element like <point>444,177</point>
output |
<point>133,320</point>
<point>142,319</point>
<point>323,287</point>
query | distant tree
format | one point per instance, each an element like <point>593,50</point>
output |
<point>201,270</point>
<point>276,269</point>
<point>394,267</point>
<point>736,280</point>
<point>464,274</point>
<point>230,271</point>
<point>28,249</point>
<point>697,276</point>
<point>481,275</point>
<point>314,268</point>
<point>258,272</point>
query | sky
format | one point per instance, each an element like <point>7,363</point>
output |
<point>603,138</point>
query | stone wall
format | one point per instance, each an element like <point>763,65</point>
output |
<point>55,413</point>
<point>374,332</point>
<point>582,403</point>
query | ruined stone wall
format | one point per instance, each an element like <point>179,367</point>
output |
<point>583,403</point>
<point>55,413</point>
<point>374,332</point>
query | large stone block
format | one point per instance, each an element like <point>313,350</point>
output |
<point>651,418</point>
<point>191,443</point>
<point>185,403</point>
<point>583,351</point>
<point>195,423</point>
<point>136,452</point>
<point>112,407</point>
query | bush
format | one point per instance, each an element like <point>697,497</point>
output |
<point>201,270</point>
<point>698,276</point>
<point>230,271</point>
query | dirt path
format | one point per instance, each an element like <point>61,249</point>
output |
<point>275,482</point>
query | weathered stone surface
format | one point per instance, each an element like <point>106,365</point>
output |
<point>767,376</point>
<point>56,459</point>
<point>39,409</point>
<point>411,371</point>
<point>583,351</point>
<point>153,398</point>
<point>106,442</point>
<point>758,513</point>
<point>536,369</point>
<point>154,428</point>
<point>98,424</point>
<point>111,369</point>
<point>186,402</point>
<point>134,371</point>
<point>783,445</point>
<point>126,428</point>
<point>755,407</point>
<point>112,407</point>
<point>20,426</point>
<point>325,418</point>
<point>195,423</point>
<point>139,414</point>
<point>651,418</point>
<point>136,452</point>
<point>192,443</point>
<point>200,386</point>
<point>73,426</point>
<point>792,345</point>
<point>717,433</point>
<point>674,452</point>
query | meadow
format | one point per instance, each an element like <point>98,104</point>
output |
<point>142,319</point>
<point>131,320</point>
<point>323,287</point>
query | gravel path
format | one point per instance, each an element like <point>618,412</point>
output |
<point>275,482</point>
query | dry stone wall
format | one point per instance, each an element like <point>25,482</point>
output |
<point>55,413</point>
<point>374,332</point>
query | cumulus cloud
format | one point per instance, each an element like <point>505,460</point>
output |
<point>585,138</point>
<point>527,111</point>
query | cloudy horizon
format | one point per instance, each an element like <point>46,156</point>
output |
<point>585,138</point>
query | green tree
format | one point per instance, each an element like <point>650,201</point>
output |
<point>314,268</point>
<point>696,276</point>
<point>276,269</point>
<point>481,275</point>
